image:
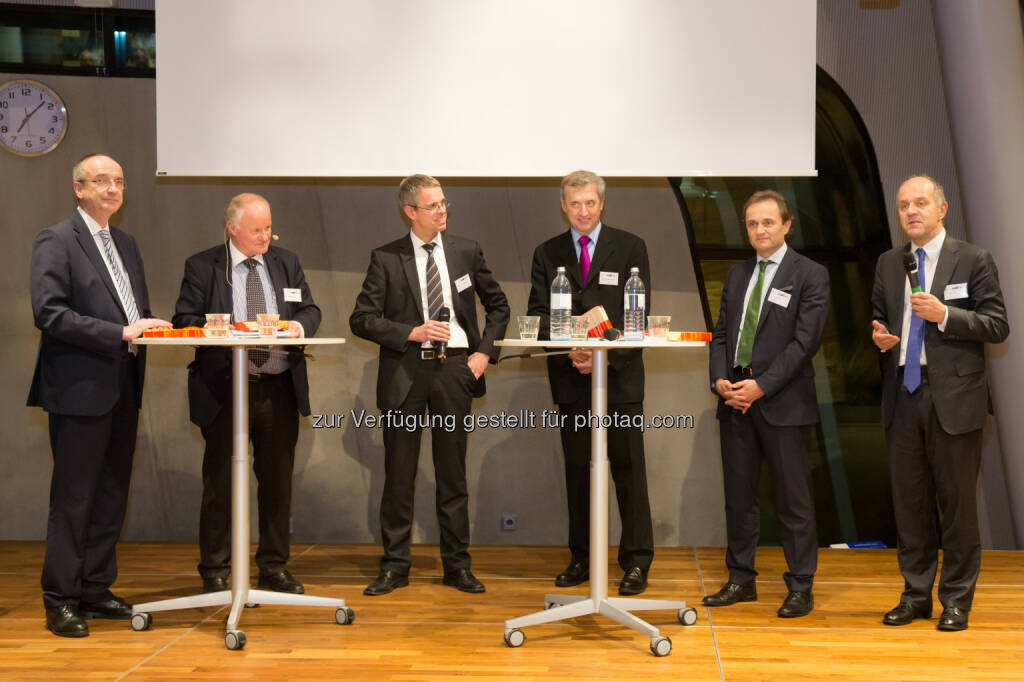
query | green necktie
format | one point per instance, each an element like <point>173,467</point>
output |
<point>745,351</point>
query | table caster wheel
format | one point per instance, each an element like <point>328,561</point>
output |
<point>141,621</point>
<point>515,638</point>
<point>661,646</point>
<point>344,615</point>
<point>235,640</point>
<point>687,616</point>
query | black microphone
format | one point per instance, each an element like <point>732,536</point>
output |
<point>910,265</point>
<point>611,334</point>
<point>443,315</point>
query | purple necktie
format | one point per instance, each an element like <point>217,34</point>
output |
<point>584,258</point>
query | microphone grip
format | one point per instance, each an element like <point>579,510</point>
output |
<point>443,315</point>
<point>915,283</point>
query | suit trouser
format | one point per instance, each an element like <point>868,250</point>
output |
<point>446,389</point>
<point>273,430</point>
<point>629,472</point>
<point>92,470</point>
<point>747,439</point>
<point>934,481</point>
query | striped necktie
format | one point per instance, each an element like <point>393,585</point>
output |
<point>435,296</point>
<point>124,292</point>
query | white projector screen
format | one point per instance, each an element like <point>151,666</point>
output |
<point>502,88</point>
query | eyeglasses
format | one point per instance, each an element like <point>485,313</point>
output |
<point>436,207</point>
<point>103,183</point>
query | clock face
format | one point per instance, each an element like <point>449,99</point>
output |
<point>33,119</point>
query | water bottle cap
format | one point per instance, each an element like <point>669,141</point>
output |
<point>561,268</point>
<point>634,271</point>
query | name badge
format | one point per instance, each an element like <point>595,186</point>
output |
<point>779,297</point>
<point>608,278</point>
<point>955,291</point>
<point>463,283</point>
<point>292,295</point>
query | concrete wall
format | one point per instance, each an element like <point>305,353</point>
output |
<point>332,225</point>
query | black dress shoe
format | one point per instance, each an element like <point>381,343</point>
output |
<point>633,582</point>
<point>282,581</point>
<point>730,594</point>
<point>953,618</point>
<point>578,572</point>
<point>387,580</point>
<point>464,581</point>
<point>214,584</point>
<point>66,621</point>
<point>797,604</point>
<point>905,613</point>
<point>112,608</point>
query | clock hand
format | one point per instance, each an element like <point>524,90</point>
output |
<point>29,115</point>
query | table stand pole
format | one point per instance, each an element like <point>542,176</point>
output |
<point>564,606</point>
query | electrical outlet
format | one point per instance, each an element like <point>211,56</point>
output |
<point>509,522</point>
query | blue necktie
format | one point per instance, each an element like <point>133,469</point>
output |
<point>912,366</point>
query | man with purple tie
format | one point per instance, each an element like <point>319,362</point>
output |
<point>597,259</point>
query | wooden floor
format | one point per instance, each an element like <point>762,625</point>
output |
<point>431,632</point>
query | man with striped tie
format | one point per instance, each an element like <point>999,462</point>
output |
<point>409,285</point>
<point>89,300</point>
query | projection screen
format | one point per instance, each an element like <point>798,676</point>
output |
<point>368,88</point>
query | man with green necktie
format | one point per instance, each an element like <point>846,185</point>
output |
<point>769,327</point>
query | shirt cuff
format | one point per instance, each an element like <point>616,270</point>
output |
<point>945,319</point>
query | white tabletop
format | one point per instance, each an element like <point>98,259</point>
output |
<point>237,341</point>
<point>600,344</point>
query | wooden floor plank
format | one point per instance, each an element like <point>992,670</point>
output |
<point>428,631</point>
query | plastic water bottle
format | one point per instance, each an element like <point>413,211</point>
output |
<point>634,307</point>
<point>561,307</point>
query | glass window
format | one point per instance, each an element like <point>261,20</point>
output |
<point>77,41</point>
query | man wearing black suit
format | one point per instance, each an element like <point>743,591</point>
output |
<point>89,300</point>
<point>770,325</point>
<point>935,400</point>
<point>243,276</point>
<point>607,254</point>
<point>408,283</point>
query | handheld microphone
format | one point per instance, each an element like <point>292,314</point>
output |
<point>443,315</point>
<point>612,334</point>
<point>910,265</point>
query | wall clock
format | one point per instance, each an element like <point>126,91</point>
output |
<point>33,118</point>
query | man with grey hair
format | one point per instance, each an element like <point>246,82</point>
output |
<point>597,259</point>
<point>245,276</point>
<point>427,363</point>
<point>89,299</point>
<point>935,399</point>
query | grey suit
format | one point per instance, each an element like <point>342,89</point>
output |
<point>91,386</point>
<point>934,435</point>
<point>774,428</point>
<point>386,311</point>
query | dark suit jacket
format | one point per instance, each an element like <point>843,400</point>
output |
<point>616,251</point>
<point>956,357</point>
<point>205,289</point>
<point>389,306</point>
<point>785,342</point>
<point>76,306</point>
